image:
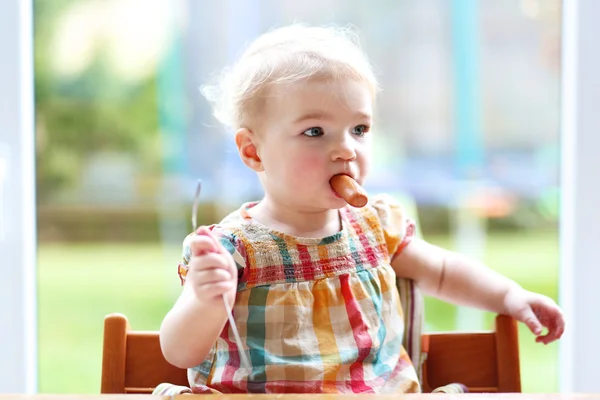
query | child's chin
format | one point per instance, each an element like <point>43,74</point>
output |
<point>338,203</point>
<point>329,201</point>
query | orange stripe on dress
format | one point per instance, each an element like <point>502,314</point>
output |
<point>182,271</point>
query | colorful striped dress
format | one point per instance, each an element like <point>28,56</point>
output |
<point>316,315</point>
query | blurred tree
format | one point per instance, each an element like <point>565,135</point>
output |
<point>91,112</point>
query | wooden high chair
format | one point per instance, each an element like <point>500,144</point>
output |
<point>486,361</point>
<point>132,361</point>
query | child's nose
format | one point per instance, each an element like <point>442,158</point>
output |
<point>344,150</point>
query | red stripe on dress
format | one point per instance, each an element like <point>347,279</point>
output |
<point>409,234</point>
<point>306,264</point>
<point>362,338</point>
<point>409,329</point>
<point>368,255</point>
<point>233,363</point>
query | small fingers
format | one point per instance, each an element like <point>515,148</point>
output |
<point>552,318</point>
<point>214,290</point>
<point>202,244</point>
<point>209,276</point>
<point>554,333</point>
<point>532,322</point>
<point>207,241</point>
<point>212,261</point>
<point>548,338</point>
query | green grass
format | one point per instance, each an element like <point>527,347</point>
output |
<point>80,284</point>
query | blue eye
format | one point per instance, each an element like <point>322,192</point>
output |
<point>360,130</point>
<point>313,132</point>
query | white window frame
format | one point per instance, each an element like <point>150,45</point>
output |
<point>18,340</point>
<point>580,196</point>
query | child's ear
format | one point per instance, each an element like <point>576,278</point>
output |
<point>246,144</point>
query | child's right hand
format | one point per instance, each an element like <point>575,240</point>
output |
<point>211,270</point>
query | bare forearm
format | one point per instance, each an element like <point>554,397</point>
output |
<point>453,277</point>
<point>189,330</point>
<point>464,281</point>
<point>461,280</point>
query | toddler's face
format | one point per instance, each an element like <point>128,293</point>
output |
<point>311,131</point>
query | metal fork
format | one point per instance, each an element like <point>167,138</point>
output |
<point>238,340</point>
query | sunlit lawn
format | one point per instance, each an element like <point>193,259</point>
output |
<point>80,284</point>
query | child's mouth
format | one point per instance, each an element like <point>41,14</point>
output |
<point>349,190</point>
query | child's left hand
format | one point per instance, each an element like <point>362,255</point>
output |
<point>536,311</point>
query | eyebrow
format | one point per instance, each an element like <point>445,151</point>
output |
<point>326,116</point>
<point>314,115</point>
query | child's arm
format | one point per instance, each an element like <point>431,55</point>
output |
<point>191,327</point>
<point>463,281</point>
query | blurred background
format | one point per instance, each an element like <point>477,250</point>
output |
<point>467,135</point>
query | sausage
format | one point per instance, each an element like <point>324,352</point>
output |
<point>349,190</point>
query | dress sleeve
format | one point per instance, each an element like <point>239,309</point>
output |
<point>226,238</point>
<point>398,228</point>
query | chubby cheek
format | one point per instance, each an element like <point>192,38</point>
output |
<point>365,167</point>
<point>306,168</point>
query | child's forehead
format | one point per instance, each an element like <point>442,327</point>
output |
<point>320,99</point>
<point>315,90</point>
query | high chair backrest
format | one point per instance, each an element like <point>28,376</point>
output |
<point>132,361</point>
<point>486,361</point>
<point>482,361</point>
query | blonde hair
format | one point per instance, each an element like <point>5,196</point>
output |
<point>286,55</point>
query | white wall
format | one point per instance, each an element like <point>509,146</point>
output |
<point>580,206</point>
<point>18,344</point>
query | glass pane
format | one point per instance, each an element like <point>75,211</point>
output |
<point>467,138</point>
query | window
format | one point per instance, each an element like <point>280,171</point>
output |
<point>123,134</point>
